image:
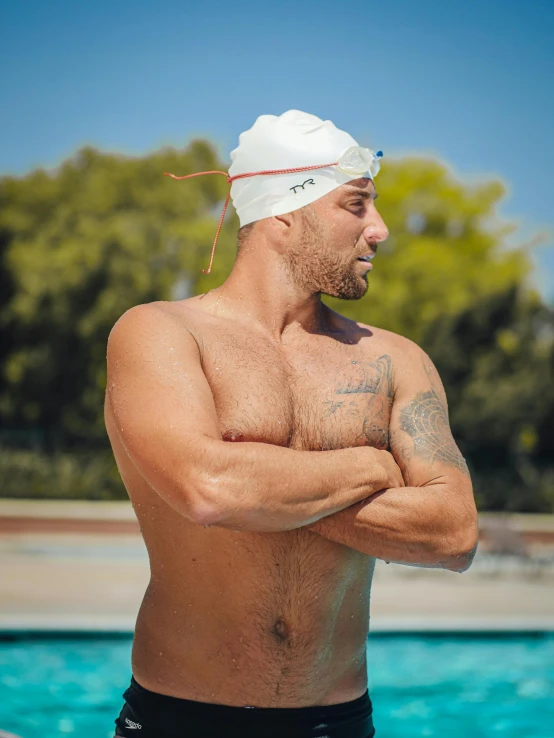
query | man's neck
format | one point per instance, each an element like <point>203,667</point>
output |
<point>263,292</point>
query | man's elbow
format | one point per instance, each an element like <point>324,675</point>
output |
<point>460,548</point>
<point>213,501</point>
<point>204,506</point>
<point>207,487</point>
<point>461,561</point>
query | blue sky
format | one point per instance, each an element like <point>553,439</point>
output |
<point>469,82</point>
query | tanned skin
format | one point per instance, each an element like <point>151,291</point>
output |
<point>273,449</point>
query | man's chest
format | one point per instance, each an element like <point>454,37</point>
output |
<point>312,394</point>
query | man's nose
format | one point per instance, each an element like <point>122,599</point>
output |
<point>376,230</point>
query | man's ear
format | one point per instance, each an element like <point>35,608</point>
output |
<point>284,222</point>
<point>288,225</point>
<point>280,229</point>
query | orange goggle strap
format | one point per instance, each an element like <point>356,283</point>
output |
<point>241,176</point>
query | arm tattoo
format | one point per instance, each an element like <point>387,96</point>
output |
<point>425,419</point>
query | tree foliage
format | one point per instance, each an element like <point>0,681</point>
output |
<point>81,244</point>
<point>496,359</point>
<point>444,251</point>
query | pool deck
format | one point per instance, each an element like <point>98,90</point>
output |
<point>82,567</point>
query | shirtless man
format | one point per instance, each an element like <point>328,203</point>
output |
<point>273,449</point>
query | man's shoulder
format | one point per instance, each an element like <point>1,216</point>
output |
<point>411,365</point>
<point>399,347</point>
<point>150,320</point>
<point>157,311</point>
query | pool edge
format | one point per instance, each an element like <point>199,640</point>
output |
<point>79,625</point>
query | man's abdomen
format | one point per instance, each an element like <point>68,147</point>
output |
<point>274,620</point>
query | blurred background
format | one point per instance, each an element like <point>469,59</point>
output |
<point>98,100</point>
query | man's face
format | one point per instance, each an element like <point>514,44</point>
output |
<point>335,232</point>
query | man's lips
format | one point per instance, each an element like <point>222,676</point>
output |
<point>366,260</point>
<point>366,264</point>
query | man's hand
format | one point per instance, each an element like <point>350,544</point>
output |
<point>393,475</point>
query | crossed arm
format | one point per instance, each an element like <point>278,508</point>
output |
<point>432,521</point>
<point>165,418</point>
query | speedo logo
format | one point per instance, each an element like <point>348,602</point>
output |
<point>308,181</point>
<point>132,725</point>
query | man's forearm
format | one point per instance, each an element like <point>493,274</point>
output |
<point>423,526</point>
<point>264,488</point>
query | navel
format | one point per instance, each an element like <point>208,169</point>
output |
<point>281,630</point>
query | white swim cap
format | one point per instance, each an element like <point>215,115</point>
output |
<point>291,141</point>
<point>285,162</point>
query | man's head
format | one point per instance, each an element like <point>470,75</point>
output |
<point>322,220</point>
<point>325,246</point>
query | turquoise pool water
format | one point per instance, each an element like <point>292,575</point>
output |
<point>448,686</point>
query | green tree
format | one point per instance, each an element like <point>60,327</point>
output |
<point>496,359</point>
<point>81,244</point>
<point>445,249</point>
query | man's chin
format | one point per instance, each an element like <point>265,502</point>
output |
<point>350,296</point>
<point>355,293</point>
<point>355,289</point>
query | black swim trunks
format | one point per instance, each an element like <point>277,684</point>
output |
<point>147,714</point>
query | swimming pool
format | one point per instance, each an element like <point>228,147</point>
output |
<point>440,685</point>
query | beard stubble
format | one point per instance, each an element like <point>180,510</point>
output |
<point>316,267</point>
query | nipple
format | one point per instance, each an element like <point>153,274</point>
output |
<point>234,435</point>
